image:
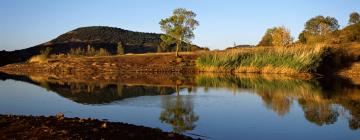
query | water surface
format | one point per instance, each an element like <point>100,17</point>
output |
<point>205,106</point>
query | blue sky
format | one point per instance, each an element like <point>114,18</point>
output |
<point>25,23</point>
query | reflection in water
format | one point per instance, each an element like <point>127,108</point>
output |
<point>178,111</point>
<point>323,101</point>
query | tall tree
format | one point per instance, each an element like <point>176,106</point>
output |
<point>317,28</point>
<point>180,26</point>
<point>281,37</point>
<point>354,18</point>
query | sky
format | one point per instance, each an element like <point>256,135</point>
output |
<point>26,23</point>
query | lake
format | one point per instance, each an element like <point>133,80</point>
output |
<point>207,106</point>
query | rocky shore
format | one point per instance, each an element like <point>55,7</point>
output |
<point>59,127</point>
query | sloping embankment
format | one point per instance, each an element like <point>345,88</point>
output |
<point>92,66</point>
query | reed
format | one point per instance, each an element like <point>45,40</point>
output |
<point>297,59</point>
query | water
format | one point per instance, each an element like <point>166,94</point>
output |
<point>201,106</point>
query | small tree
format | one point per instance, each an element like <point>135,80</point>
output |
<point>180,26</point>
<point>103,52</point>
<point>281,37</point>
<point>90,51</point>
<point>120,48</point>
<point>354,18</point>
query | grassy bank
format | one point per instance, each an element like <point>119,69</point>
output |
<point>291,60</point>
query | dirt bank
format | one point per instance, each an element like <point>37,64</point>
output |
<point>155,63</point>
<point>58,127</point>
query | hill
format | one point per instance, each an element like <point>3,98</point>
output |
<point>95,36</point>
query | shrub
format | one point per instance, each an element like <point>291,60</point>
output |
<point>42,57</point>
<point>120,49</point>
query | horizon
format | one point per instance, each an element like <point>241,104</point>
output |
<point>29,23</point>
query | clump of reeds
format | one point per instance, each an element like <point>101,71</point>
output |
<point>288,60</point>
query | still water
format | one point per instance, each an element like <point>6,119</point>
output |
<point>201,106</point>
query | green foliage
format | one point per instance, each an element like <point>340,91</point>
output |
<point>321,25</point>
<point>267,38</point>
<point>89,51</point>
<point>180,26</point>
<point>317,28</point>
<point>300,59</point>
<point>109,35</point>
<point>166,42</point>
<point>120,48</point>
<point>354,18</point>
<point>179,112</point>
<point>281,37</point>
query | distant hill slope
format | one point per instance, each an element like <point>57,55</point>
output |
<point>95,36</point>
<point>108,35</point>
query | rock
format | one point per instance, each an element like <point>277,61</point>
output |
<point>59,116</point>
<point>104,125</point>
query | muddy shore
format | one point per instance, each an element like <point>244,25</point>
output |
<point>59,127</point>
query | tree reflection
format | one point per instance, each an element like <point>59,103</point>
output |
<point>280,104</point>
<point>319,113</point>
<point>178,111</point>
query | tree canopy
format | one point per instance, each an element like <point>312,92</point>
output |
<point>267,38</point>
<point>317,28</point>
<point>276,36</point>
<point>281,37</point>
<point>180,26</point>
<point>354,18</point>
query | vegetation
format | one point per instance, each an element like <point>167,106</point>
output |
<point>166,42</point>
<point>109,35</point>
<point>267,38</point>
<point>317,29</point>
<point>42,57</point>
<point>180,26</point>
<point>316,97</point>
<point>281,37</point>
<point>120,49</point>
<point>354,18</point>
<point>298,59</point>
<point>276,36</point>
<point>322,48</point>
<point>90,51</point>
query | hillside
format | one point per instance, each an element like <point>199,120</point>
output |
<point>95,36</point>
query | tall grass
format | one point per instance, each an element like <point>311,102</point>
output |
<point>42,57</point>
<point>266,60</point>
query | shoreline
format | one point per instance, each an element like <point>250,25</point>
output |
<point>110,67</point>
<point>41,127</point>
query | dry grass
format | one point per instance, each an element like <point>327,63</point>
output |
<point>38,59</point>
<point>291,60</point>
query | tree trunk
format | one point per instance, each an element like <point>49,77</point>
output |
<point>177,48</point>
